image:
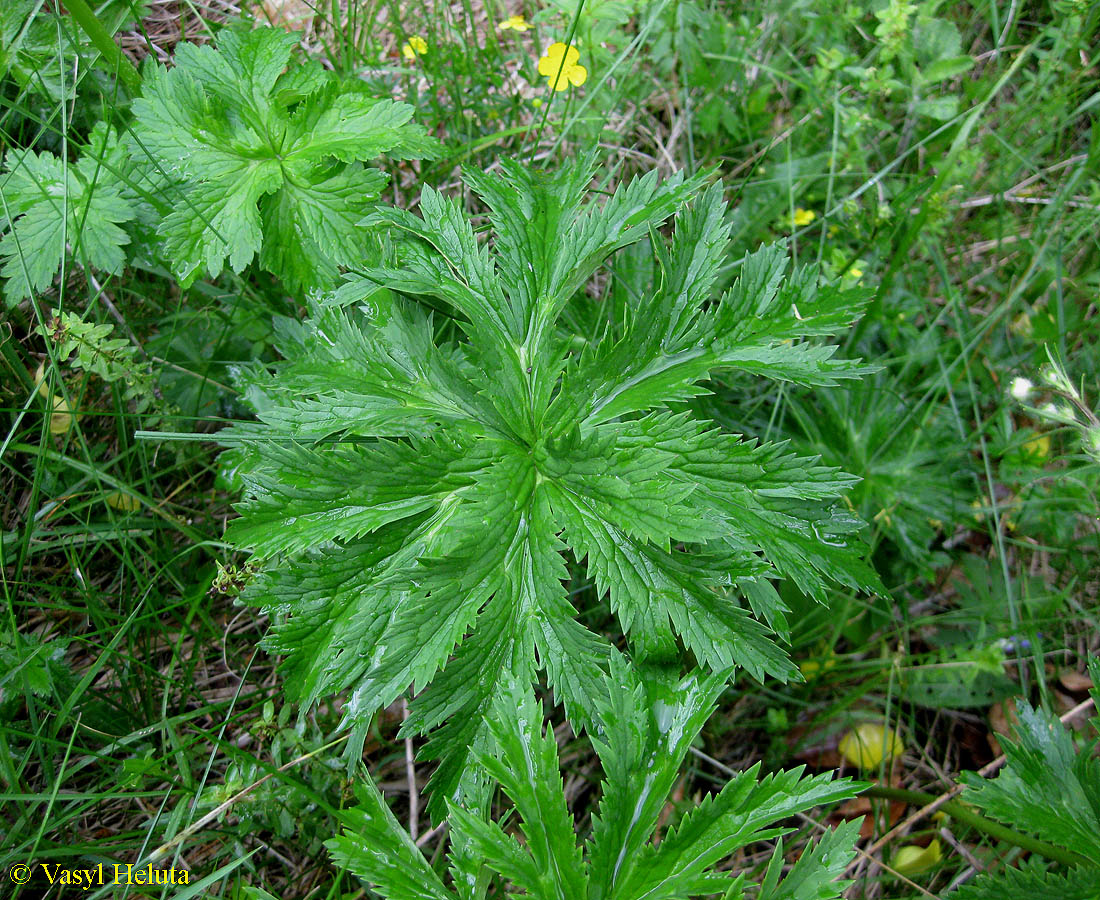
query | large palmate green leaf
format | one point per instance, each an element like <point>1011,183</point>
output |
<point>418,483</point>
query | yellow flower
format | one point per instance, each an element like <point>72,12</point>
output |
<point>868,744</point>
<point>560,68</point>
<point>803,217</point>
<point>856,272</point>
<point>516,23</point>
<point>912,860</point>
<point>1038,448</point>
<point>414,47</point>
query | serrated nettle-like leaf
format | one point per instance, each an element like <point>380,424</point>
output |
<point>648,724</point>
<point>262,161</point>
<point>1048,785</point>
<point>377,849</point>
<point>814,876</point>
<point>465,454</point>
<point>1032,881</point>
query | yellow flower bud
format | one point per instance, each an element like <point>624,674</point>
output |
<point>122,502</point>
<point>61,417</point>
<point>912,860</point>
<point>869,744</point>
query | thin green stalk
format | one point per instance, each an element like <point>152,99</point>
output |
<point>958,810</point>
<point>105,44</point>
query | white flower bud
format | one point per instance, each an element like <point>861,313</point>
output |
<point>1057,379</point>
<point>1021,388</point>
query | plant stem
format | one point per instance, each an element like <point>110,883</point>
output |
<point>958,810</point>
<point>104,43</point>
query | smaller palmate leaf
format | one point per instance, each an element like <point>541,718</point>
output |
<point>259,160</point>
<point>47,207</point>
<point>643,738</point>
<point>526,768</point>
<point>745,810</point>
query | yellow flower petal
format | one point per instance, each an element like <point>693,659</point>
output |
<point>803,217</point>
<point>811,668</point>
<point>1038,447</point>
<point>912,860</point>
<point>869,744</point>
<point>559,67</point>
<point>414,47</point>
<point>515,23</point>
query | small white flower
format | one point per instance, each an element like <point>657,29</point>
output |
<point>1021,388</point>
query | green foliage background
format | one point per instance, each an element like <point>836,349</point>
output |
<point>844,232</point>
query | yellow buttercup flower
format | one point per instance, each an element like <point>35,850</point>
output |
<point>856,272</point>
<point>414,47</point>
<point>803,217</point>
<point>560,68</point>
<point>515,23</point>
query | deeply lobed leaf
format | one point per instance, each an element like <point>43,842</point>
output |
<point>464,455</point>
<point>262,161</point>
<point>648,725</point>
